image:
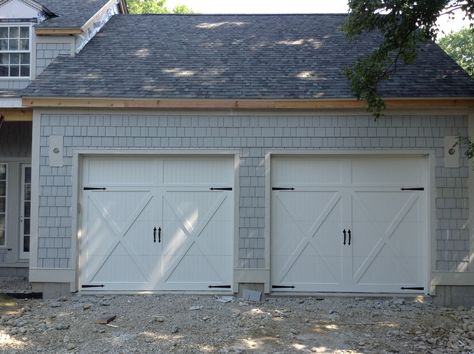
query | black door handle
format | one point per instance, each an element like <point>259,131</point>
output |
<point>159,235</point>
<point>349,237</point>
<point>154,234</point>
<point>344,232</point>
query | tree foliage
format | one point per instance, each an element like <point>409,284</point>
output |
<point>402,24</point>
<point>155,7</point>
<point>460,46</point>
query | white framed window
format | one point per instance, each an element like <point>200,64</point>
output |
<point>25,214</point>
<point>3,204</point>
<point>15,51</point>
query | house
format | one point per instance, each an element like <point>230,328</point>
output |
<point>204,153</point>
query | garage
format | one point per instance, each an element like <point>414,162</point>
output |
<point>349,223</point>
<point>156,223</point>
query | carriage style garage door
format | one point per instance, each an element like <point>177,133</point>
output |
<point>156,223</point>
<point>348,224</point>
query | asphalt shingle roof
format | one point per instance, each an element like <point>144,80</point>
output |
<point>70,13</point>
<point>236,57</point>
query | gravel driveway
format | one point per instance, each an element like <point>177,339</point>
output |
<point>188,324</point>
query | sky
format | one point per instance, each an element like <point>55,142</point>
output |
<point>288,6</point>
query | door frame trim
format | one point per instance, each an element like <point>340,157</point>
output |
<point>77,160</point>
<point>430,157</point>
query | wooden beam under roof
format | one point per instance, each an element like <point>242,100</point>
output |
<point>16,115</point>
<point>267,104</point>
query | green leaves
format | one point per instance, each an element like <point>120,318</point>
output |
<point>154,7</point>
<point>402,24</point>
<point>460,46</point>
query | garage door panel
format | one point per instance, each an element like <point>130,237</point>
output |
<point>197,170</point>
<point>197,228</point>
<point>99,235</point>
<point>121,171</point>
<point>119,267</point>
<point>197,269</point>
<point>120,208</point>
<point>378,215</point>
<point>386,171</point>
<point>306,238</point>
<point>114,250</point>
<point>290,171</point>
<point>286,235</point>
<point>312,268</point>
<point>385,269</point>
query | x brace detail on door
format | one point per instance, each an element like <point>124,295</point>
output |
<point>309,236</point>
<point>119,234</point>
<point>387,235</point>
<point>192,233</point>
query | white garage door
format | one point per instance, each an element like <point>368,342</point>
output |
<point>156,223</point>
<point>354,224</point>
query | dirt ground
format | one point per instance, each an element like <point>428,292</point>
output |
<point>189,324</point>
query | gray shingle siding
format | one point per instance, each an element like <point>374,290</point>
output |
<point>47,52</point>
<point>252,135</point>
<point>12,85</point>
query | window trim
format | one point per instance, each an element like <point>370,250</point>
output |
<point>6,205</point>
<point>30,51</point>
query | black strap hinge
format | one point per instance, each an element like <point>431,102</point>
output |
<point>282,189</point>
<point>412,189</point>
<point>94,188</point>
<point>220,189</point>
<point>283,286</point>
<point>93,286</point>
<point>219,286</point>
<point>412,288</point>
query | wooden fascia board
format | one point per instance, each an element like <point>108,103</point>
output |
<point>242,104</point>
<point>17,115</point>
<point>58,31</point>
